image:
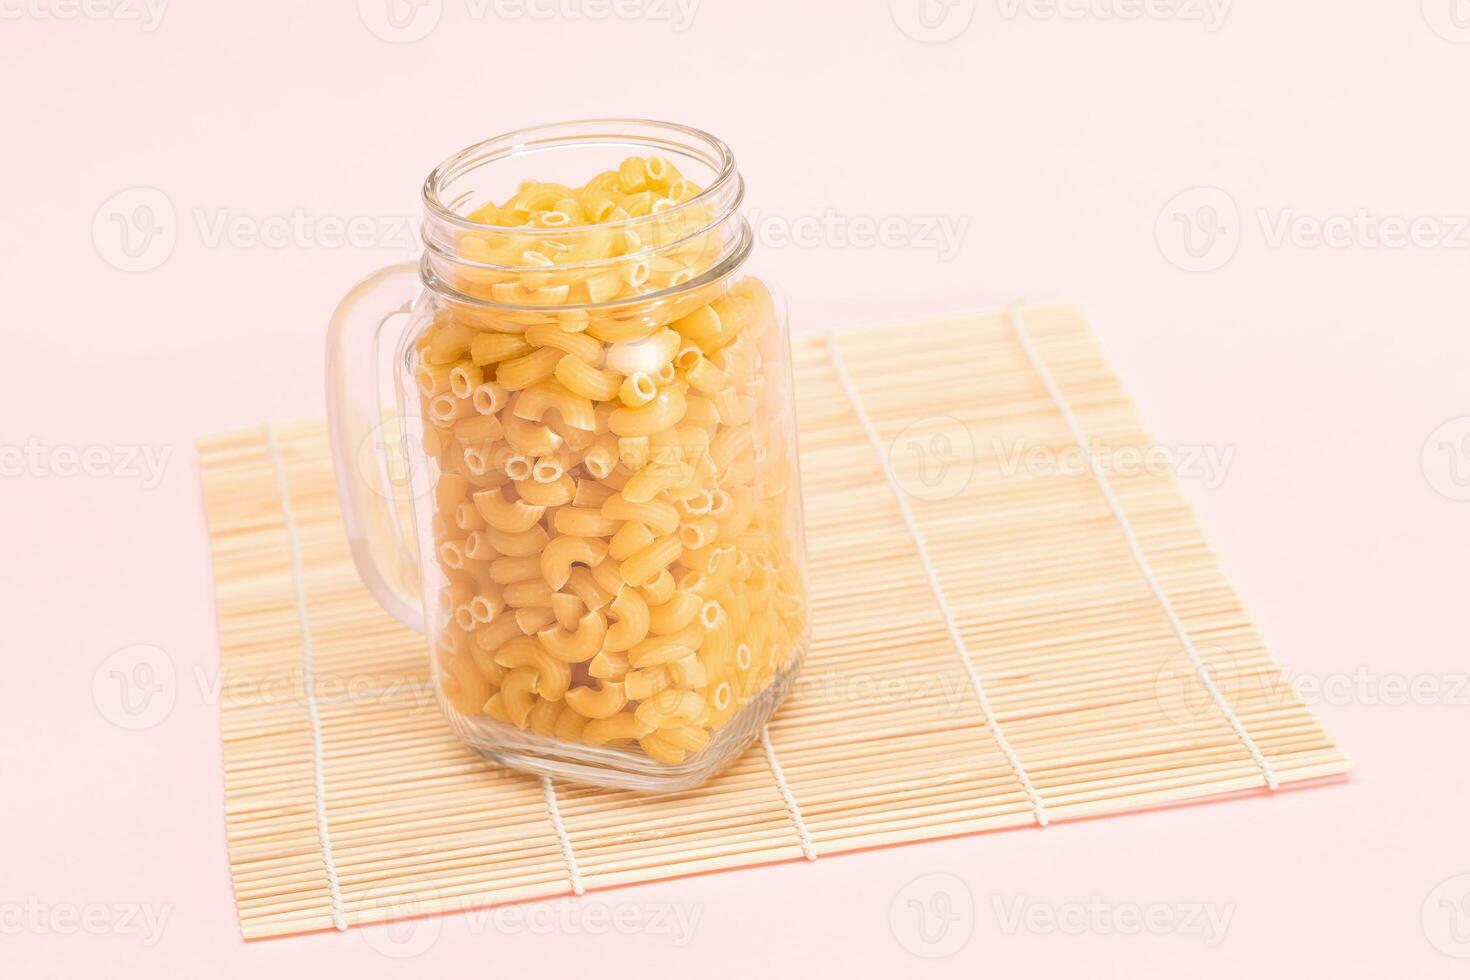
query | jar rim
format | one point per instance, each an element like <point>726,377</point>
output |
<point>726,184</point>
<point>518,141</point>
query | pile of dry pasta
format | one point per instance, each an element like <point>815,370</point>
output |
<point>615,513</point>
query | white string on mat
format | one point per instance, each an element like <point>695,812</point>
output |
<point>789,797</point>
<point>319,783</point>
<point>1018,322</point>
<point>922,550</point>
<point>574,873</point>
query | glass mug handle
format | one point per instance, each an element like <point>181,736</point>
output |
<point>360,427</point>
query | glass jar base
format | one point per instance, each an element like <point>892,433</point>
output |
<point>614,768</point>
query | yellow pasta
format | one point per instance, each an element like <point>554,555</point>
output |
<point>585,521</point>
<point>660,589</point>
<point>518,544</point>
<point>621,726</point>
<point>553,676</point>
<point>580,645</point>
<point>509,515</point>
<point>614,502</point>
<point>658,516</point>
<point>543,396</point>
<point>630,539</point>
<point>489,348</point>
<point>581,584</point>
<point>586,381</point>
<point>637,390</point>
<point>604,701</point>
<point>631,625</point>
<point>663,412</point>
<point>585,349</point>
<point>675,614</point>
<point>650,560</point>
<point>522,372</point>
<point>670,709</point>
<point>566,550</point>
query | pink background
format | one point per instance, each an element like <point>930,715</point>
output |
<point>1060,140</point>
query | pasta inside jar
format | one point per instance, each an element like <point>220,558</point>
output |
<point>614,511</point>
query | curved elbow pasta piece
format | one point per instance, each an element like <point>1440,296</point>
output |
<point>664,412</point>
<point>607,575</point>
<point>690,738</point>
<point>491,348</point>
<point>522,372</point>
<point>729,444</point>
<point>660,590</point>
<point>585,381</point>
<point>518,568</point>
<point>586,349</point>
<point>567,609</point>
<point>585,587</point>
<point>652,480</point>
<point>526,437</point>
<point>534,402</point>
<point>531,592</point>
<point>511,516</point>
<point>517,695</point>
<point>645,565</point>
<point>534,619</point>
<point>645,683</point>
<point>496,633</point>
<point>655,651</point>
<point>544,715</point>
<point>689,673</point>
<point>604,701</point>
<point>733,407</point>
<point>699,533</point>
<point>658,516</point>
<point>718,650</point>
<point>552,676</point>
<point>670,709</point>
<point>704,377</point>
<point>620,727</point>
<point>632,622</point>
<point>569,726</point>
<point>558,557</point>
<point>554,494</point>
<point>675,614</point>
<point>584,522</point>
<point>579,645</point>
<point>518,544</point>
<point>601,457</point>
<point>608,666</point>
<point>464,685</point>
<point>637,390</point>
<point>660,749</point>
<point>630,539</point>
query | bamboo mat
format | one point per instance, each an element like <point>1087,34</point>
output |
<point>995,646</point>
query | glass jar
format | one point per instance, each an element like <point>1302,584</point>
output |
<point>594,447</point>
